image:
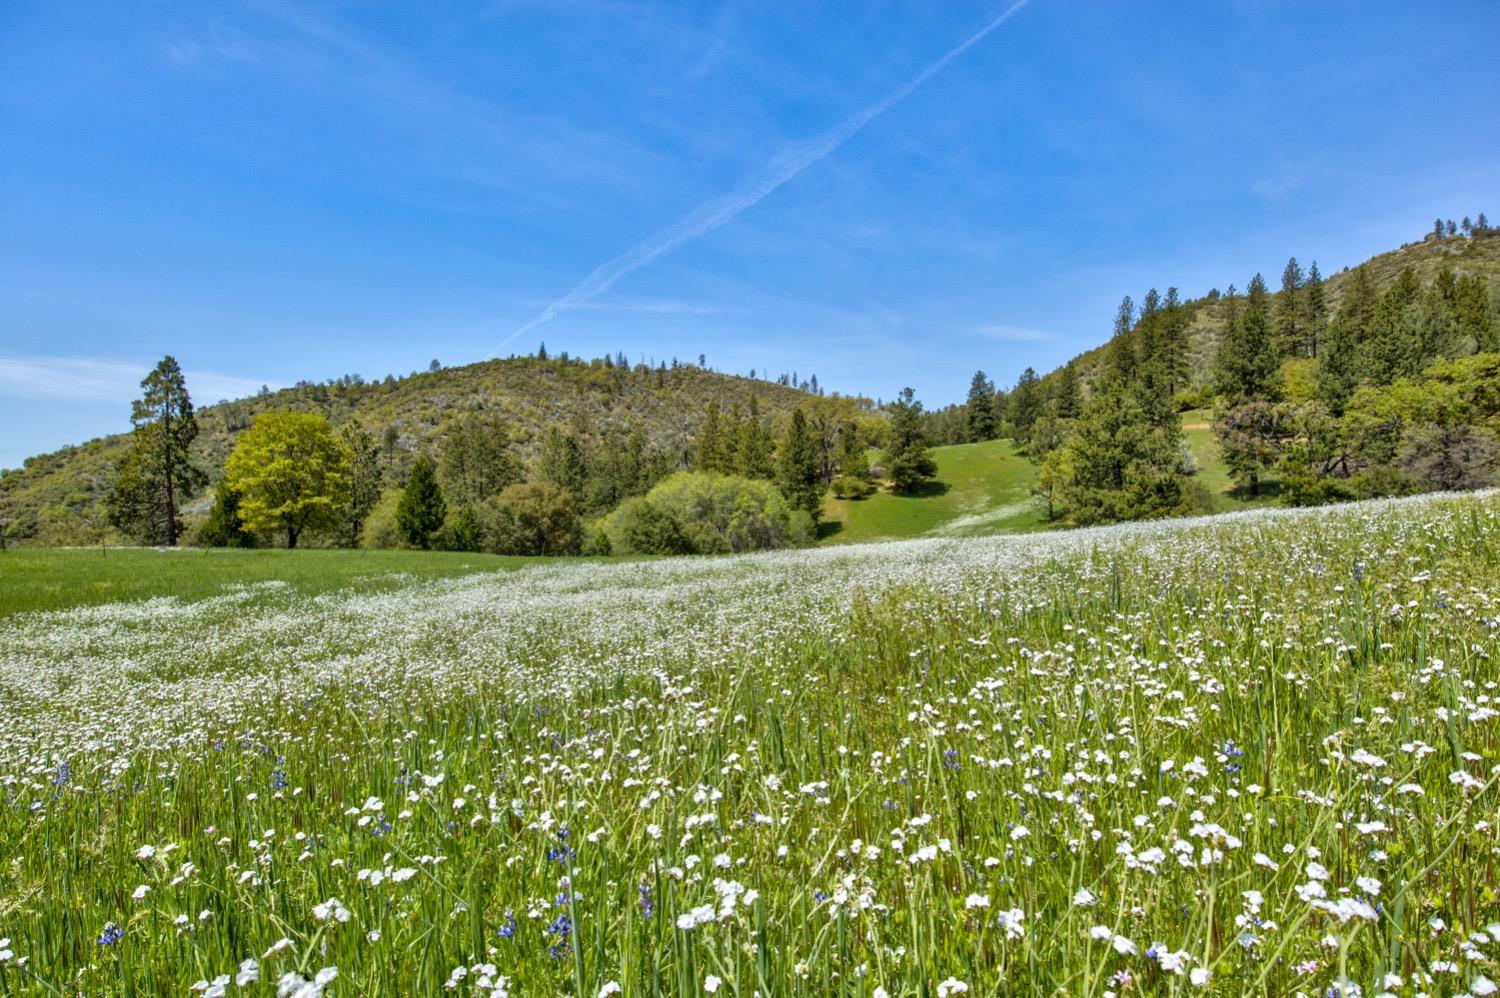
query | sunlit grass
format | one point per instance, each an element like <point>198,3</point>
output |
<point>1253,755</point>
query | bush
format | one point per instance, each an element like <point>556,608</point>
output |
<point>639,527</point>
<point>534,518</point>
<point>380,530</point>
<point>705,513</point>
<point>849,487</point>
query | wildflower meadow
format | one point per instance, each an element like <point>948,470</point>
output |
<point>1253,754</point>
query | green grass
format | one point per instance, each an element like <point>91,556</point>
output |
<point>1255,756</point>
<point>56,579</point>
<point>986,489</point>
<point>1212,474</point>
<point>981,489</point>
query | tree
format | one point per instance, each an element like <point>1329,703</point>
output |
<point>797,468</point>
<point>475,459</point>
<point>1251,436</point>
<point>560,461</point>
<point>853,481</point>
<point>422,509</point>
<point>705,513</point>
<point>1116,465</point>
<point>1245,364</point>
<point>158,475</point>
<point>224,527</point>
<point>1291,312</point>
<point>907,463</point>
<point>1314,310</point>
<point>1067,399</point>
<point>1452,457</point>
<point>1025,407</point>
<point>712,454</point>
<point>533,518</point>
<point>365,477</point>
<point>291,472</point>
<point>980,408</point>
<point>754,447</point>
<point>1338,369</point>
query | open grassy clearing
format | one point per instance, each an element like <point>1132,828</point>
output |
<point>981,489</point>
<point>59,578</point>
<point>1248,754</point>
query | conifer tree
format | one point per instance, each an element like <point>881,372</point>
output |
<point>907,463</point>
<point>1245,364</point>
<point>980,408</point>
<point>797,467</point>
<point>421,510</point>
<point>560,461</point>
<point>1339,366</point>
<point>365,477</point>
<point>711,445</point>
<point>1025,406</point>
<point>1067,400</point>
<point>1314,310</point>
<point>754,445</point>
<point>158,475</point>
<point>1291,312</point>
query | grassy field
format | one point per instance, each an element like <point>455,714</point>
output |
<point>55,579</point>
<point>1253,754</point>
<point>981,489</point>
<point>986,489</point>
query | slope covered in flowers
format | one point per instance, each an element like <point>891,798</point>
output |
<point>1249,754</point>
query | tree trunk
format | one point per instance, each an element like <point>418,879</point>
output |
<point>1254,485</point>
<point>291,538</point>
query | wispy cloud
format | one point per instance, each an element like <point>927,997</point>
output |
<point>1013,334</point>
<point>96,379</point>
<point>665,306</point>
<point>780,169</point>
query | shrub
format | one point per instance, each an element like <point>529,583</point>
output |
<point>705,513</point>
<point>533,518</point>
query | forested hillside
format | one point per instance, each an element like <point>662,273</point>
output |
<point>633,422</point>
<point>1383,379</point>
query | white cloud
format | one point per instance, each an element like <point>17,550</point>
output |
<point>1013,334</point>
<point>98,379</point>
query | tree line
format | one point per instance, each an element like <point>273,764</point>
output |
<point>749,481</point>
<point>1393,391</point>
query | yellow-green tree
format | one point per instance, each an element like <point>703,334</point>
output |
<point>292,474</point>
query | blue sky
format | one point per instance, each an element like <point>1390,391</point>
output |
<point>278,191</point>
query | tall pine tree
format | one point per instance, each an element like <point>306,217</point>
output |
<point>158,475</point>
<point>979,410</point>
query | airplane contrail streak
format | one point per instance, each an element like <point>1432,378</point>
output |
<point>781,168</point>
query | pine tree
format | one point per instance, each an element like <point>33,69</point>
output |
<point>1025,406</point>
<point>797,468</point>
<point>475,460</point>
<point>1392,346</point>
<point>1314,310</point>
<point>158,475</point>
<point>754,446</point>
<point>854,464</point>
<point>365,478</point>
<point>1339,366</point>
<point>709,455</point>
<point>1067,401</point>
<point>1245,363</point>
<point>980,408</point>
<point>1291,312</point>
<point>560,461</point>
<point>421,511</point>
<point>907,463</point>
<point>224,527</point>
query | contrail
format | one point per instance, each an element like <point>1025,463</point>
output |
<point>781,168</point>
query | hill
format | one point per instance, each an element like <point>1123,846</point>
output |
<point>1427,257</point>
<point>58,496</point>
